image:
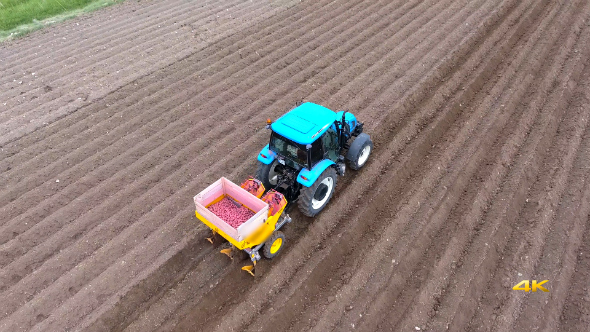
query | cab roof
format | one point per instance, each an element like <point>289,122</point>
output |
<point>305,123</point>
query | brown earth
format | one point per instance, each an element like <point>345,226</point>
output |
<point>479,110</point>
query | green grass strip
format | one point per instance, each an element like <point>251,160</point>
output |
<point>19,17</point>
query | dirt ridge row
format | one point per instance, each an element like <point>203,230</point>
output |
<point>447,299</point>
<point>502,276</point>
<point>580,194</point>
<point>113,55</point>
<point>142,17</point>
<point>39,117</point>
<point>48,39</point>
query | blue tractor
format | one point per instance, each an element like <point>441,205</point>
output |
<point>309,147</point>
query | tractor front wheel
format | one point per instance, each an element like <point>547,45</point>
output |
<point>359,151</point>
<point>312,200</point>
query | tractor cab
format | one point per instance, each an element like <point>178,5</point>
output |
<point>306,146</point>
<point>298,135</point>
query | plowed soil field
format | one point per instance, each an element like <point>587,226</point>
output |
<point>110,123</point>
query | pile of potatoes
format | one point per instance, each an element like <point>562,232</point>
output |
<point>231,212</point>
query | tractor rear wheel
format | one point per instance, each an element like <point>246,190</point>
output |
<point>273,245</point>
<point>312,200</point>
<point>267,174</point>
<point>359,151</point>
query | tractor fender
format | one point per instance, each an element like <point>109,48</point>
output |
<point>316,171</point>
<point>349,118</point>
<point>266,156</point>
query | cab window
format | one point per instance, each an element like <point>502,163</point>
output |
<point>330,142</point>
<point>317,153</point>
<point>288,149</point>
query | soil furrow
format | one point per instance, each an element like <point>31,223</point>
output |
<point>576,310</point>
<point>497,237</point>
<point>95,24</point>
<point>99,66</point>
<point>469,221</point>
<point>544,224</point>
<point>103,38</point>
<point>504,276</point>
<point>99,40</point>
<point>559,269</point>
<point>95,89</point>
